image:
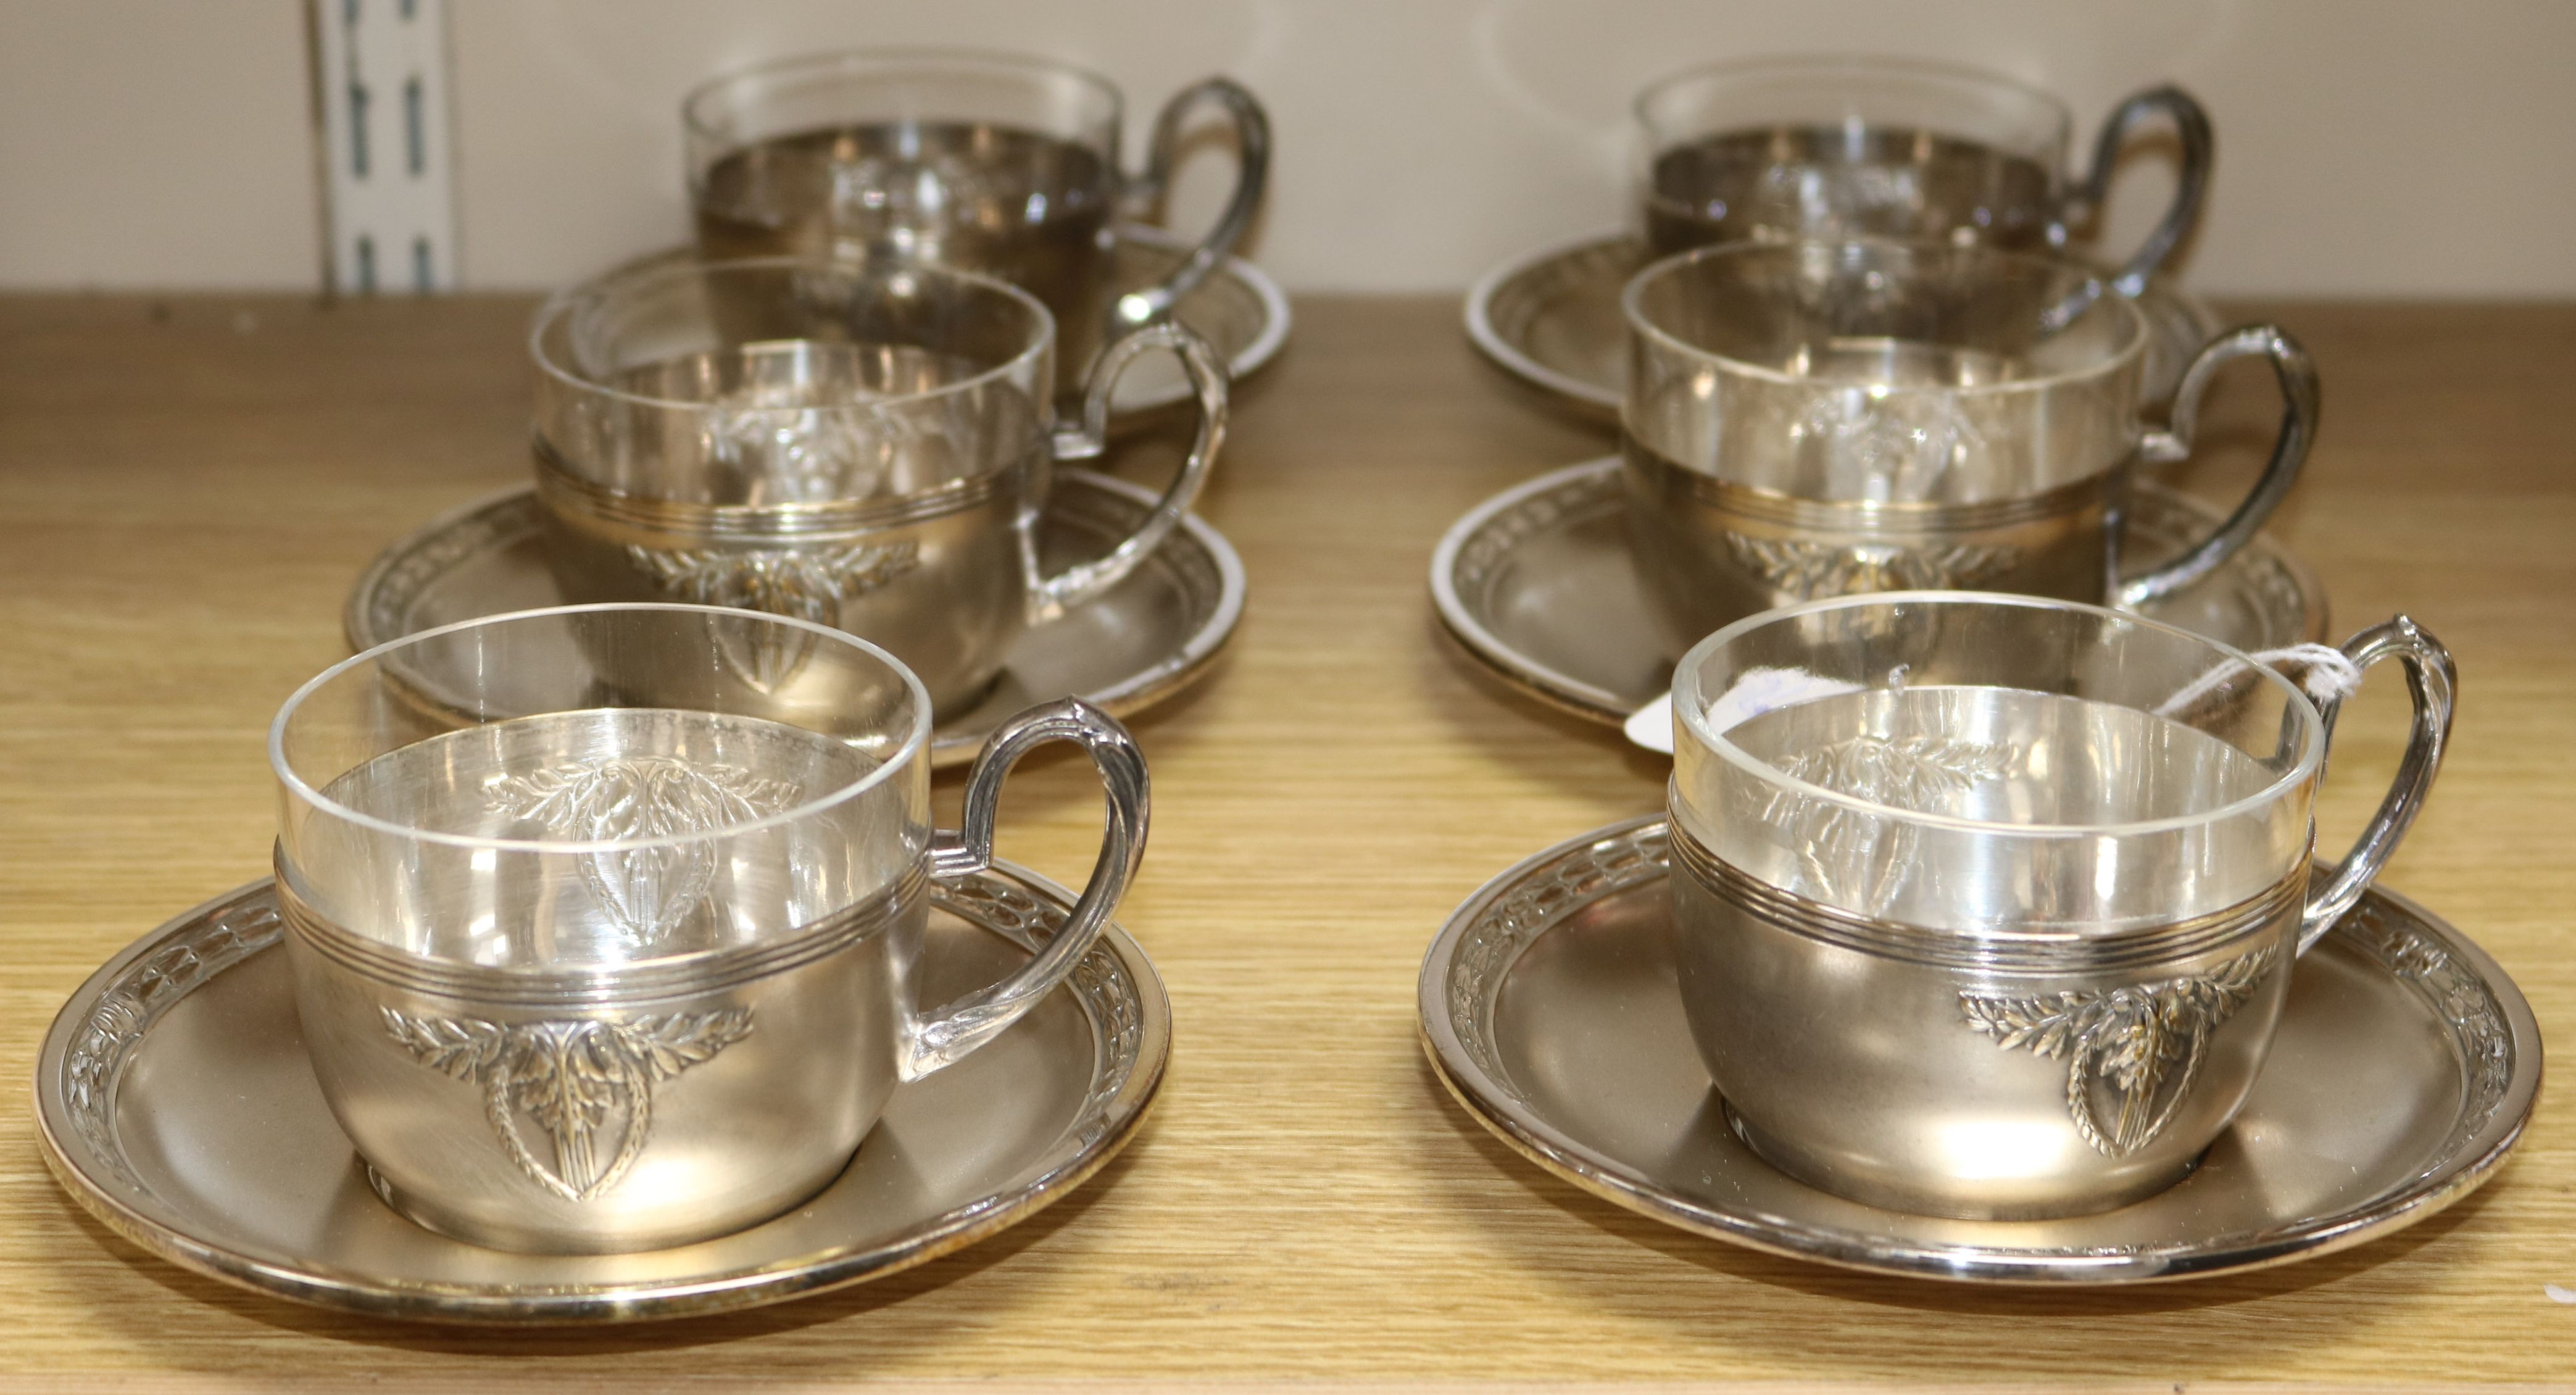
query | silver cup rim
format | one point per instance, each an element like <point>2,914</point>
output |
<point>915,741</point>
<point>562,302</point>
<point>2133,344</point>
<point>854,61</point>
<point>2062,118</point>
<point>1691,714</point>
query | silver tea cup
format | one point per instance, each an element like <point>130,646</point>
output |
<point>1859,147</point>
<point>1815,419</point>
<point>863,444</point>
<point>1986,906</point>
<point>615,965</point>
<point>985,162</point>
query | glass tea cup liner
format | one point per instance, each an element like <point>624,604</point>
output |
<point>1852,97</point>
<point>799,93</point>
<point>2059,415</point>
<point>654,450</point>
<point>309,805</point>
<point>2130,876</point>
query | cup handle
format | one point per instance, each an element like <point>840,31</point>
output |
<point>1252,142</point>
<point>954,1031</point>
<point>2199,145</point>
<point>2432,681</point>
<point>1052,596</point>
<point>2299,406</point>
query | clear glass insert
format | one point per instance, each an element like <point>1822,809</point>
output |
<point>778,381</point>
<point>1001,165</point>
<point>600,785</point>
<point>1843,147</point>
<point>1993,763</point>
<point>1882,371</point>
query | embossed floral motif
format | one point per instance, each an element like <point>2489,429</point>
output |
<point>646,890</point>
<point>574,1080</point>
<point>1852,858</point>
<point>1886,445</point>
<point>802,583</point>
<point>1806,570</point>
<point>2132,1054</point>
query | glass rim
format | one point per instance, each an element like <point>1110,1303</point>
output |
<point>2133,346</point>
<point>680,266</point>
<point>1960,75</point>
<point>914,742</point>
<point>1692,716</point>
<point>863,61</point>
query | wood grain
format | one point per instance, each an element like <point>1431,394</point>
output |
<point>188,486</point>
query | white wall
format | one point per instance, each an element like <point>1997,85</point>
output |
<point>2372,147</point>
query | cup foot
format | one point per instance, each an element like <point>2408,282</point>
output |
<point>1825,1177</point>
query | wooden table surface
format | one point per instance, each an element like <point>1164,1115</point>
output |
<point>188,486</point>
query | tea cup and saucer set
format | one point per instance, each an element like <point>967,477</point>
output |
<point>1982,937</point>
<point>612,966</point>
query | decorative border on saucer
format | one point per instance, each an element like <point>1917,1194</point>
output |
<point>238,927</point>
<point>1485,953</point>
<point>91,1044</point>
<point>1471,959</point>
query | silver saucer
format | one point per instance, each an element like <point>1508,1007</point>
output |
<point>2405,1068</point>
<point>1151,636</point>
<point>1238,309</point>
<point>1551,319</point>
<point>1535,582</point>
<point>175,1103</point>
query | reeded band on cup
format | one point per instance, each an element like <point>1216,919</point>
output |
<point>561,487</point>
<point>601,985</point>
<point>2030,952</point>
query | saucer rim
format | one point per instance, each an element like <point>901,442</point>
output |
<point>1534,1138</point>
<point>1566,693</point>
<point>951,744</point>
<point>1582,395</point>
<point>147,1221</point>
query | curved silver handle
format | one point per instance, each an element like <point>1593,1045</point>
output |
<point>1252,176</point>
<point>950,1034</point>
<point>2433,681</point>
<point>1050,597</point>
<point>2199,147</point>
<point>2299,406</point>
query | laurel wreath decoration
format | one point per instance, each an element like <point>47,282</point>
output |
<point>569,1078</point>
<point>2143,1044</point>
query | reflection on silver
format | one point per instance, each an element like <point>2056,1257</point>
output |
<point>1547,1007</point>
<point>810,584</point>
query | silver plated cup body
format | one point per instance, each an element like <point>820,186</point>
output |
<point>1987,906</point>
<point>864,445</point>
<point>987,162</point>
<point>1843,147</point>
<point>604,940</point>
<point>634,1110</point>
<point>1815,419</point>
